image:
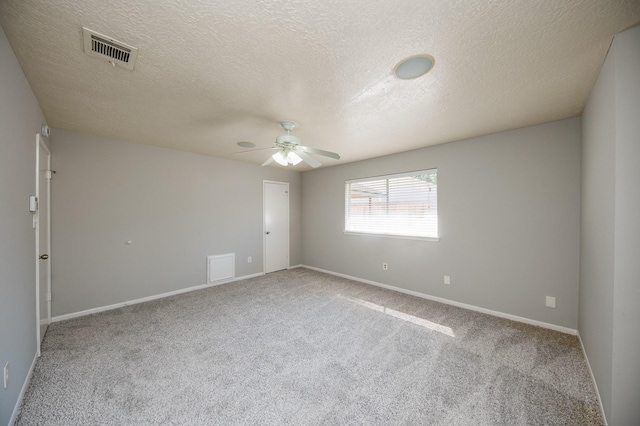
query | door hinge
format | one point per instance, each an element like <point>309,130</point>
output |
<point>48,174</point>
<point>48,297</point>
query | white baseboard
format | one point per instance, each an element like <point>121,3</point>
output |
<point>296,266</point>
<point>452,302</point>
<point>16,408</point>
<point>149,298</point>
<point>593,379</point>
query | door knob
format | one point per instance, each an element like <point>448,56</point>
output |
<point>267,232</point>
<point>44,256</point>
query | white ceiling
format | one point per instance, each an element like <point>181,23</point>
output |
<point>212,73</point>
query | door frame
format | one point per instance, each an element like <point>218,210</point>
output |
<point>41,144</point>
<point>264,223</point>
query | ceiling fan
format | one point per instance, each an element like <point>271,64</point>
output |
<point>289,150</point>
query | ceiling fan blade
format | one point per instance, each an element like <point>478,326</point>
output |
<point>307,158</point>
<point>319,152</point>
<point>253,150</point>
<point>269,161</point>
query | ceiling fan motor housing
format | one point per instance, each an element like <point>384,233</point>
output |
<point>287,140</point>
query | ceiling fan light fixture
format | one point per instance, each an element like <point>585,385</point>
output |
<point>414,66</point>
<point>280,158</point>
<point>293,158</point>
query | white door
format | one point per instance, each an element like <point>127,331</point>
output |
<point>43,237</point>
<point>276,226</point>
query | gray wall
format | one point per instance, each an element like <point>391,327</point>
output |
<point>20,120</point>
<point>176,207</point>
<point>597,229</point>
<point>625,397</point>
<point>610,271</point>
<point>509,211</point>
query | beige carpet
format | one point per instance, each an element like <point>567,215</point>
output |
<point>300,347</point>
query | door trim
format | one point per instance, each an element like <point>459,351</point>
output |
<point>264,223</point>
<point>40,144</point>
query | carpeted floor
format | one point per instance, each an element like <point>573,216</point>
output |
<point>300,347</point>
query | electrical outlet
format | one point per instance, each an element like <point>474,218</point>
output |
<point>6,374</point>
<point>385,266</point>
<point>249,260</point>
<point>551,302</point>
<point>447,279</point>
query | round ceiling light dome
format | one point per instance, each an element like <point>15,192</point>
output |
<point>414,66</point>
<point>244,144</point>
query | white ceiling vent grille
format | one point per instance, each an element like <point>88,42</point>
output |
<point>104,47</point>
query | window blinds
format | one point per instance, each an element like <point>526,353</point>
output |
<point>403,204</point>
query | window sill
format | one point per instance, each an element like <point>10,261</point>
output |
<point>401,237</point>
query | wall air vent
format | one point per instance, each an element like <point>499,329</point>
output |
<point>104,47</point>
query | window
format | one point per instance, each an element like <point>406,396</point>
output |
<point>400,205</point>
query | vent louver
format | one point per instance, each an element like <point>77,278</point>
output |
<point>104,47</point>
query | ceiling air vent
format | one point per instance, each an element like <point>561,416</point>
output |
<point>104,47</point>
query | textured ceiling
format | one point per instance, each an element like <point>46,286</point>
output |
<point>210,74</point>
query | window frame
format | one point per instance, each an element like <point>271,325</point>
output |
<point>388,177</point>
